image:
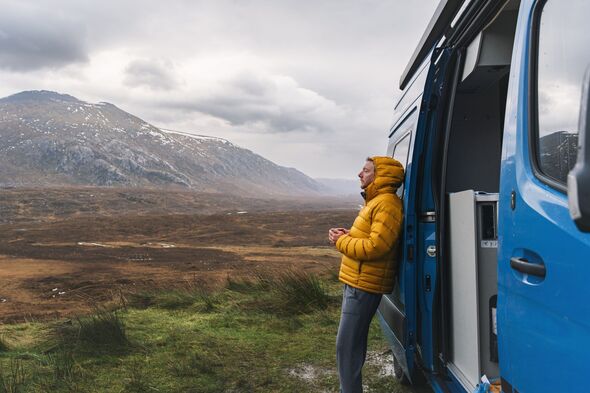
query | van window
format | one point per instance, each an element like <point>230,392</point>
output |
<point>400,153</point>
<point>562,59</point>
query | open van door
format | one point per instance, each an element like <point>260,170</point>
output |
<point>543,267</point>
<point>419,108</point>
<point>398,311</point>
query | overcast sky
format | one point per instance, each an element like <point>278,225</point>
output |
<point>306,84</point>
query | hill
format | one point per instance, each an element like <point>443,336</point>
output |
<point>56,139</point>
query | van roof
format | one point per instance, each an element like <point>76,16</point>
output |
<point>440,21</point>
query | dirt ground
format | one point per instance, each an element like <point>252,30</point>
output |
<point>63,250</point>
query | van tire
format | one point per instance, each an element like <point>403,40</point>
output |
<point>398,372</point>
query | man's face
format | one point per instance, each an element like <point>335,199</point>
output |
<point>367,174</point>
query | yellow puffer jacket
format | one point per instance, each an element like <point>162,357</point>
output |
<point>370,249</point>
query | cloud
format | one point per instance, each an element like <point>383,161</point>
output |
<point>307,84</point>
<point>154,74</point>
<point>268,103</point>
<point>32,39</point>
<point>559,106</point>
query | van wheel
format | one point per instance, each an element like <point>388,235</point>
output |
<point>398,373</point>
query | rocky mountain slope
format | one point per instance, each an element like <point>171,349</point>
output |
<point>48,138</point>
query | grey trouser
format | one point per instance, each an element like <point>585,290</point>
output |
<point>358,308</point>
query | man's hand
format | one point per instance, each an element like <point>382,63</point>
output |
<point>335,233</point>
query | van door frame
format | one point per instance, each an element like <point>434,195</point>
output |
<point>440,321</point>
<point>477,16</point>
<point>422,202</point>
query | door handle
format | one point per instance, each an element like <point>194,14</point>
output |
<point>524,266</point>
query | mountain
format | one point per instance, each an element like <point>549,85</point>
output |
<point>49,138</point>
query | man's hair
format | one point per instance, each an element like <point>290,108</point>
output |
<point>370,159</point>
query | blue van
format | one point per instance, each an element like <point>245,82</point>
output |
<point>493,129</point>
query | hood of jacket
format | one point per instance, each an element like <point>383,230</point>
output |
<point>389,175</point>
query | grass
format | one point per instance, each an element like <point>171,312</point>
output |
<point>181,297</point>
<point>13,378</point>
<point>138,381</point>
<point>103,330</point>
<point>265,334</point>
<point>3,345</point>
<point>302,292</point>
<point>293,292</point>
<point>58,371</point>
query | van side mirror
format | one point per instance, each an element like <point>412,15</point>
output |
<point>578,180</point>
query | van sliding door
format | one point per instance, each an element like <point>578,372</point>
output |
<point>418,266</point>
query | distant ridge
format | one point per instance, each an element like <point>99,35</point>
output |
<point>39,95</point>
<point>53,139</point>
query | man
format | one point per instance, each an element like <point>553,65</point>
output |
<point>368,266</point>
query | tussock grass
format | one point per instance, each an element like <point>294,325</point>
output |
<point>243,285</point>
<point>193,364</point>
<point>181,297</point>
<point>301,291</point>
<point>141,300</point>
<point>253,283</point>
<point>175,299</point>
<point>224,341</point>
<point>13,378</point>
<point>4,347</point>
<point>63,366</point>
<point>207,300</point>
<point>102,330</point>
<point>292,292</point>
<point>57,371</point>
<point>138,381</point>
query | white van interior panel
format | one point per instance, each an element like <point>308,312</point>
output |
<point>463,285</point>
<point>473,289</point>
<point>487,57</point>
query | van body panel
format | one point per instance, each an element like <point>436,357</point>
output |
<point>543,322</point>
<point>538,333</point>
<point>410,95</point>
<point>397,311</point>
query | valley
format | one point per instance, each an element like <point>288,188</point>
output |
<point>64,249</point>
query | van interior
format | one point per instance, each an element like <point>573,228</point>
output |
<point>471,185</point>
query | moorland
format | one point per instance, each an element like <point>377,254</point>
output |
<point>139,290</point>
